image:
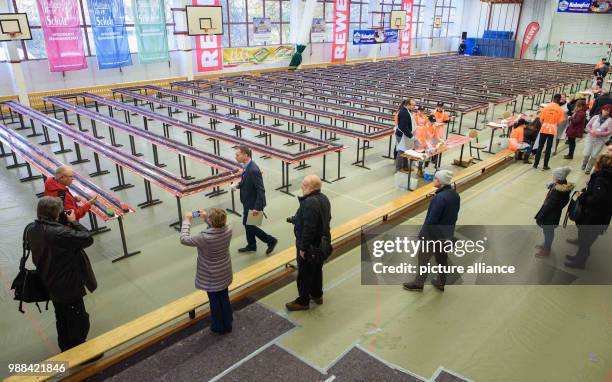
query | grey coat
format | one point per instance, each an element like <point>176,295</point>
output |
<point>214,265</point>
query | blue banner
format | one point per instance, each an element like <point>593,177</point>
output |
<point>585,6</point>
<point>375,36</point>
<point>110,36</point>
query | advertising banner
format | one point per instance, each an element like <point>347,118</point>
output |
<point>60,23</point>
<point>339,39</point>
<point>530,32</point>
<point>151,32</point>
<point>369,36</point>
<point>406,34</point>
<point>208,51</point>
<point>256,55</point>
<point>109,33</point>
<point>318,30</point>
<point>585,6</point>
<point>262,29</point>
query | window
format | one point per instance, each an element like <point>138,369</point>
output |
<point>445,10</point>
<point>359,17</point>
<point>238,21</point>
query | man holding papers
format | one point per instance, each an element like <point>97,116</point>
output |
<point>253,199</point>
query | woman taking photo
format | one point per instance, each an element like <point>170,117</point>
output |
<point>599,129</point>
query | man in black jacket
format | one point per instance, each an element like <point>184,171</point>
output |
<point>439,226</point>
<point>253,198</point>
<point>601,101</point>
<point>311,223</point>
<point>58,257</point>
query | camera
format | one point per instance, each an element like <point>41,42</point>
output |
<point>195,214</point>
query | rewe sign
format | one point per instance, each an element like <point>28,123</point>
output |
<point>340,36</point>
<point>406,34</point>
<point>208,51</point>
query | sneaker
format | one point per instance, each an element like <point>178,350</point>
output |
<point>318,301</point>
<point>439,286</point>
<point>247,249</point>
<point>572,241</point>
<point>545,168</point>
<point>572,264</point>
<point>568,157</point>
<point>412,286</point>
<point>570,257</point>
<point>294,306</point>
<point>271,246</point>
<point>542,253</point>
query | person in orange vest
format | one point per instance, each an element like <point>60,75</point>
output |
<point>520,141</point>
<point>440,114</point>
<point>550,116</point>
<point>600,64</point>
<point>420,118</point>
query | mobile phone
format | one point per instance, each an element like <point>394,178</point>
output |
<point>195,214</point>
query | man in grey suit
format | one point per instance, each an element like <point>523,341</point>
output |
<point>252,197</point>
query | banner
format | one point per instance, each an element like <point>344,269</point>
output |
<point>60,23</point>
<point>530,32</point>
<point>256,55</point>
<point>262,30</point>
<point>406,34</point>
<point>370,36</point>
<point>585,6</point>
<point>151,32</point>
<point>340,36</point>
<point>318,30</point>
<point>109,33</point>
<point>208,51</point>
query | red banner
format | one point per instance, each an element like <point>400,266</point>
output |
<point>406,34</point>
<point>61,27</point>
<point>340,36</point>
<point>530,32</point>
<point>208,51</point>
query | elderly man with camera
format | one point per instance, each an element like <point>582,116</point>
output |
<point>57,253</point>
<point>312,241</point>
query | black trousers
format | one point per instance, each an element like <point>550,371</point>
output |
<point>253,231</point>
<point>220,311</point>
<point>309,281</point>
<point>548,140</point>
<point>424,257</point>
<point>587,234</point>
<point>72,322</point>
<point>571,143</point>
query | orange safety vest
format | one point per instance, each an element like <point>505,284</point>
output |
<point>551,116</point>
<point>420,119</point>
<point>396,118</point>
<point>441,116</point>
<point>516,138</point>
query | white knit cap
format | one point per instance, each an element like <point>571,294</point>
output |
<point>561,173</point>
<point>444,176</point>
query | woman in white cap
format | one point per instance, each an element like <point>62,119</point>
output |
<point>549,215</point>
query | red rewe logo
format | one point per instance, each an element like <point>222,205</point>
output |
<point>340,36</point>
<point>406,34</point>
<point>208,51</point>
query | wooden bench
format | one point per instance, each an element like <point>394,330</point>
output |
<point>243,279</point>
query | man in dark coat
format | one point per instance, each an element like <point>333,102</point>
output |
<point>549,215</point>
<point>601,101</point>
<point>439,225</point>
<point>311,223</point>
<point>253,198</point>
<point>596,203</point>
<point>58,257</point>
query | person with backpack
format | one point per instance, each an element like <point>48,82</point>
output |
<point>57,253</point>
<point>595,211</point>
<point>312,242</point>
<point>549,215</point>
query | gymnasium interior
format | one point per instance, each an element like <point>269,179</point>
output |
<point>148,101</point>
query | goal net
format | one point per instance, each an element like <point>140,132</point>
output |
<point>583,52</point>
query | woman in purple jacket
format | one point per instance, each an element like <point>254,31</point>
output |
<point>575,127</point>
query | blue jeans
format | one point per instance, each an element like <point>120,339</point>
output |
<point>549,236</point>
<point>220,311</point>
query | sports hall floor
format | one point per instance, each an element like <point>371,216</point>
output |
<point>496,333</point>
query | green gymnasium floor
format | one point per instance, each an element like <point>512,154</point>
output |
<point>497,333</point>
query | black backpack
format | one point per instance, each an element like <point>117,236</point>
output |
<point>28,284</point>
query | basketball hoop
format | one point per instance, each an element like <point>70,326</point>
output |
<point>14,35</point>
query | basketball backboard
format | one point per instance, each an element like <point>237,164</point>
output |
<point>204,20</point>
<point>14,27</point>
<point>398,20</point>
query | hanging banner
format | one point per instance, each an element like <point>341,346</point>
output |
<point>585,6</point>
<point>262,30</point>
<point>208,51</point>
<point>60,23</point>
<point>340,36</point>
<point>530,32</point>
<point>109,33</point>
<point>151,32</point>
<point>406,34</point>
<point>370,36</point>
<point>318,30</point>
<point>256,55</point>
